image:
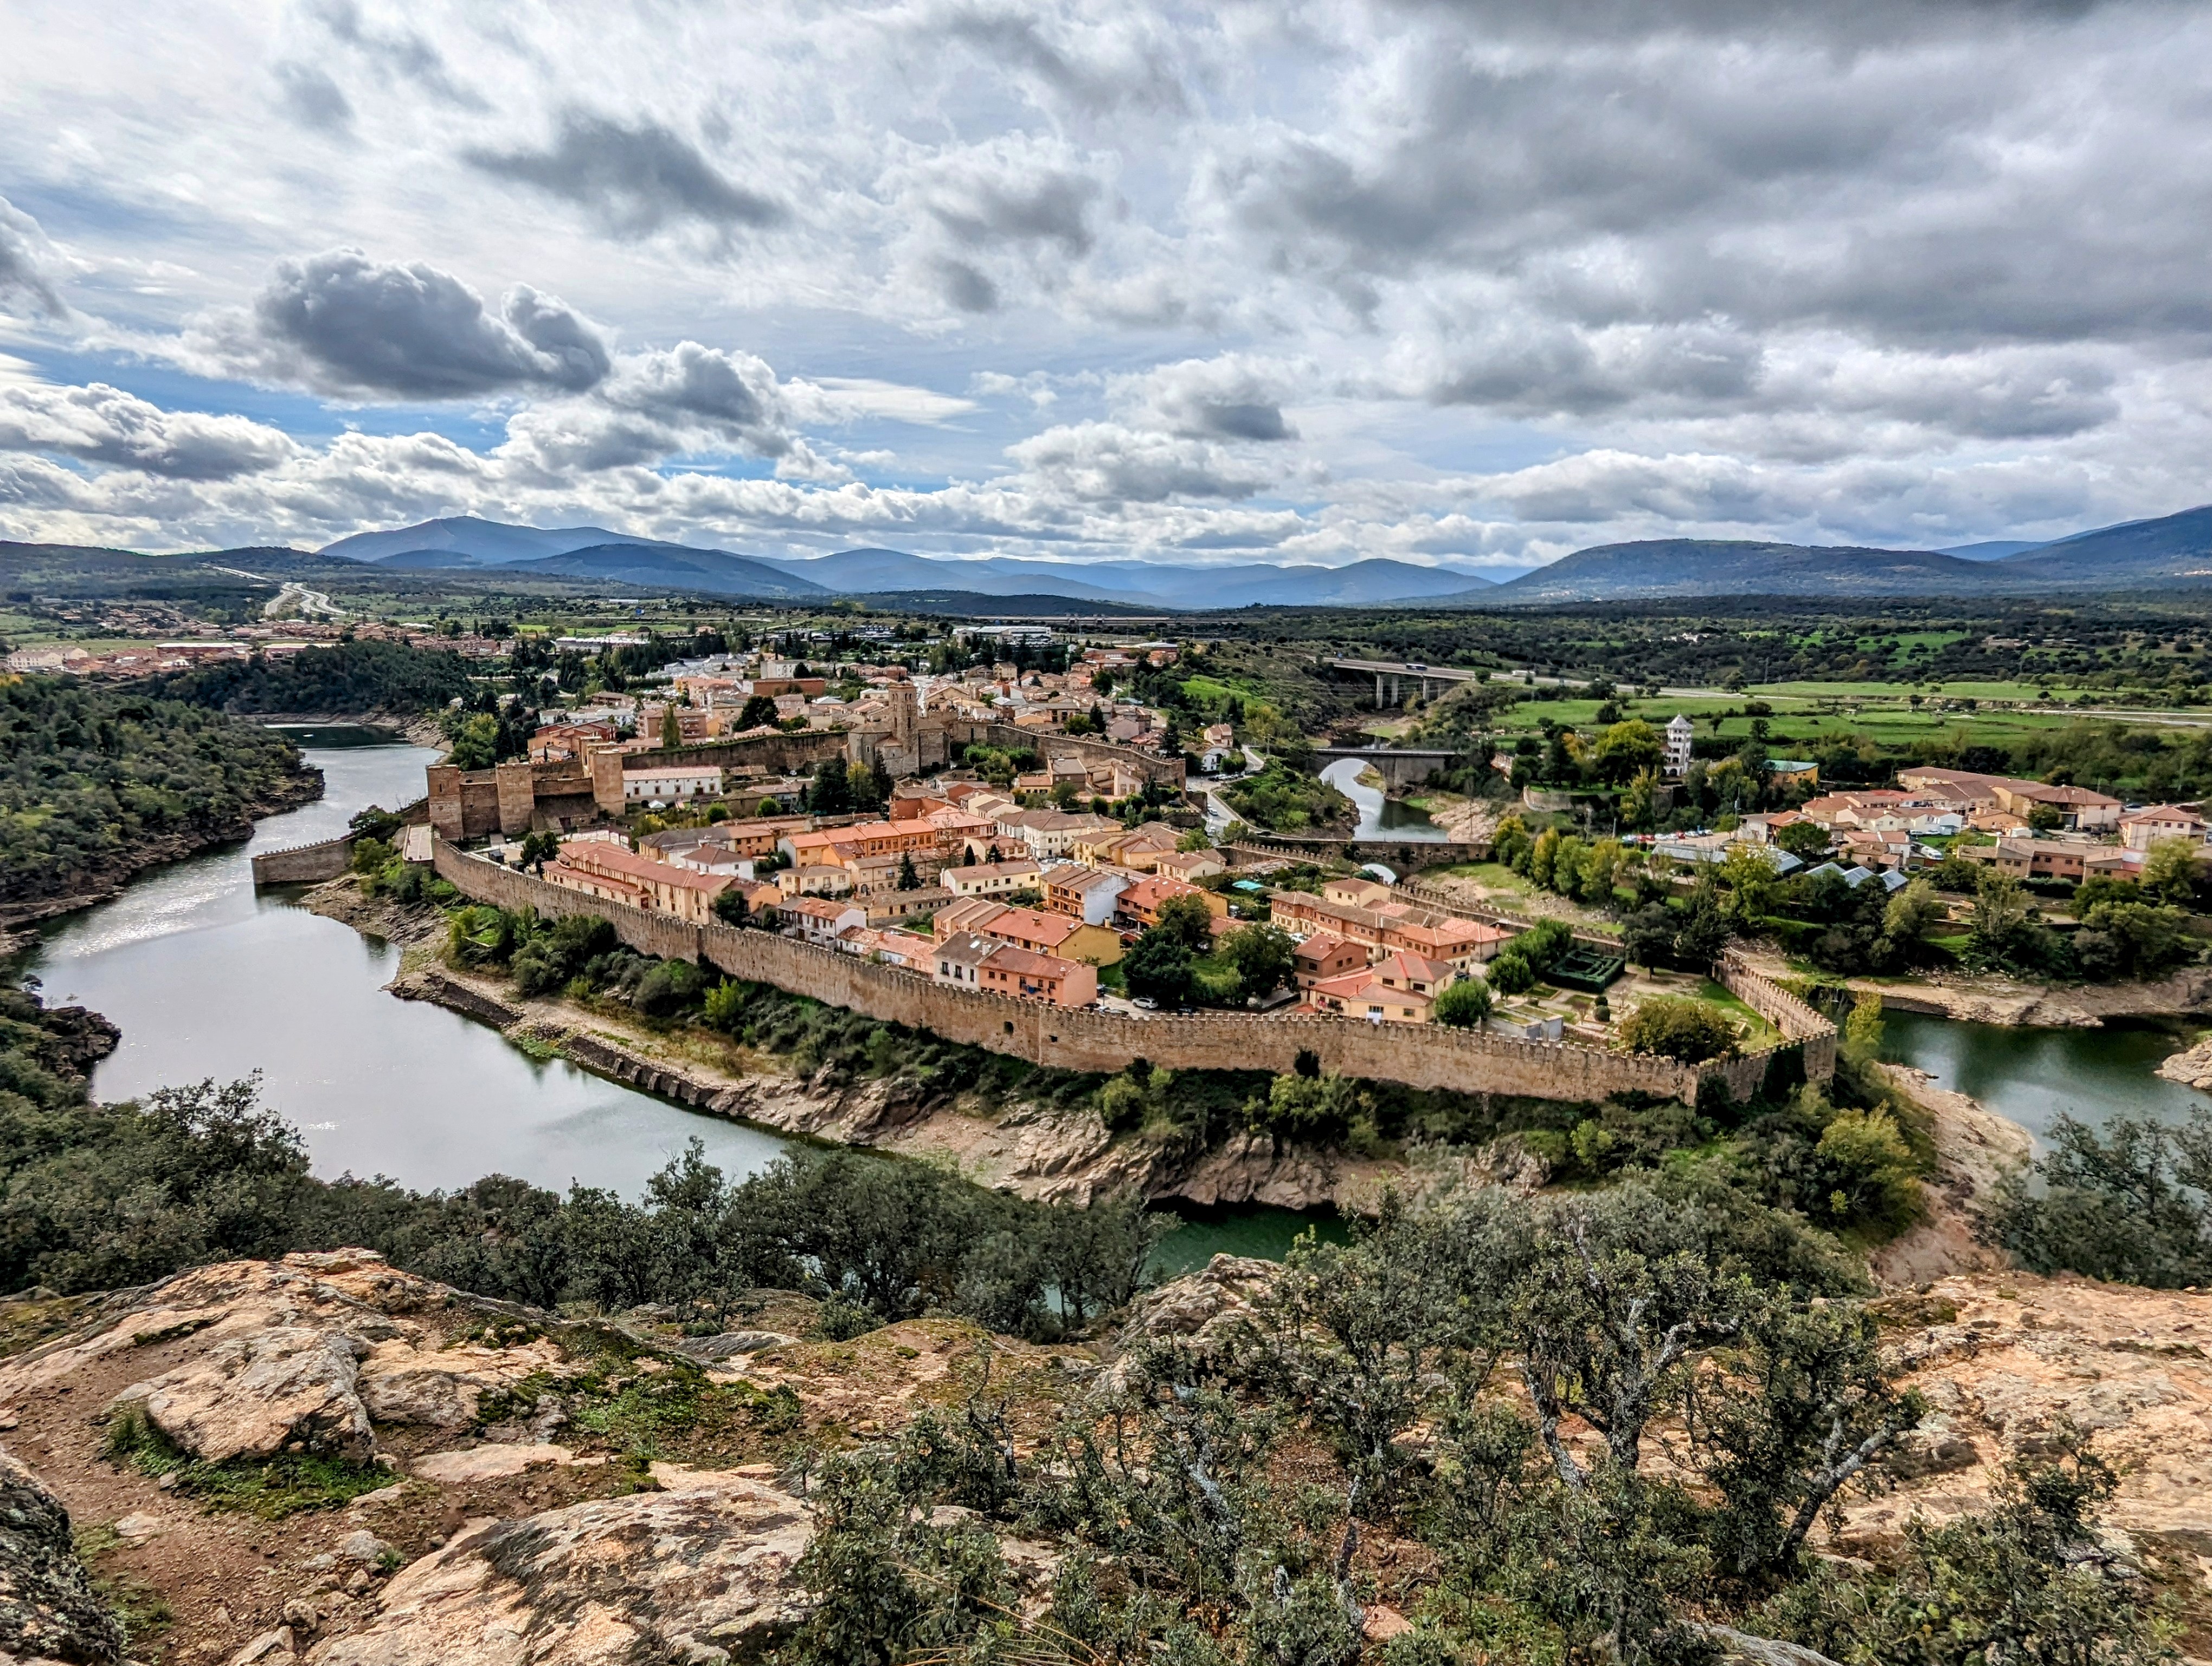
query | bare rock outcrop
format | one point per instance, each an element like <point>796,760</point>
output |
<point>289,1388</point>
<point>2192,1068</point>
<point>49,1611</point>
<point>704,1575</point>
<point>1201,1309</point>
<point>2004,1359</point>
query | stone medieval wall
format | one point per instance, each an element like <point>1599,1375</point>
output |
<point>1427,1056</point>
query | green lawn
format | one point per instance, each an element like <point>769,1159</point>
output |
<point>1758,1032</point>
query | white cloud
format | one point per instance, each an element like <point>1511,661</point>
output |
<point>1094,276</point>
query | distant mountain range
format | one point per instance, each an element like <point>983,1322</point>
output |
<point>462,542</point>
<point>2174,549</point>
<point>2171,550</point>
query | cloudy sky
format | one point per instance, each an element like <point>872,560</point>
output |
<point>1472,281</point>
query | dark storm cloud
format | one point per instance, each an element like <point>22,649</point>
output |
<point>341,322</point>
<point>1247,421</point>
<point>312,99</point>
<point>634,179</point>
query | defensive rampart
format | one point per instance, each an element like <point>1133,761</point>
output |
<point>312,863</point>
<point>1426,1056</point>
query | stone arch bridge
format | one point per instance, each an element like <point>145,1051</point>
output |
<point>1399,769</point>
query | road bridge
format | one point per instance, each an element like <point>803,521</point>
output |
<point>1391,677</point>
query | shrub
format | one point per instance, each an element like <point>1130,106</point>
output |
<point>1691,1031</point>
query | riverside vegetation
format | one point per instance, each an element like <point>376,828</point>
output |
<point>97,784</point>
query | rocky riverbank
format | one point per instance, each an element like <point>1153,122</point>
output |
<point>2058,1006</point>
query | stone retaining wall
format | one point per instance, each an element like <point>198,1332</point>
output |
<point>1424,1056</point>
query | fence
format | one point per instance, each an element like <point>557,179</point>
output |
<point>1418,1055</point>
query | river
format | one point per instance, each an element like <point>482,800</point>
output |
<point>209,978</point>
<point>1381,817</point>
<point>2032,1076</point>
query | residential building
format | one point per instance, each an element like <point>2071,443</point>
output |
<point>2141,829</point>
<point>1028,975</point>
<point>2071,860</point>
<point>1189,866</point>
<point>1363,994</point>
<point>820,919</point>
<point>1324,956</point>
<point>2079,809</point>
<point>1464,944</point>
<point>600,867</point>
<point>1085,893</point>
<point>959,959</point>
<point>991,879</point>
<point>1356,892</point>
<point>1139,904</point>
<point>814,879</point>
<point>1028,928</point>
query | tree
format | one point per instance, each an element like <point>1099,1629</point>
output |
<point>1158,968</point>
<point>907,879</point>
<point>832,793</point>
<point>2045,817</point>
<point>1463,1006</point>
<point>475,741</point>
<point>1909,915</point>
<point>1626,748</point>
<point>1803,840</point>
<point>758,711</point>
<point>2170,869</point>
<point>1750,883</point>
<point>1264,958</point>
<point>672,728</point>
<point>1510,973</point>
<point>1689,1032</point>
<point>1639,802</point>
<point>1647,936</point>
<point>1186,918</point>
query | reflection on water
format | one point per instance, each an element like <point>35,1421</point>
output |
<point>207,979</point>
<point>2032,1076</point>
<point>1380,817</point>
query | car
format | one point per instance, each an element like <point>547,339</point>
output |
<point>1143,1003</point>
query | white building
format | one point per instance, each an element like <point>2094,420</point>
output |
<point>1679,732</point>
<point>667,783</point>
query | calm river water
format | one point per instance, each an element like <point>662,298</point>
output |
<point>208,978</point>
<point>2034,1075</point>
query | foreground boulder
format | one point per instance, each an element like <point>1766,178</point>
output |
<point>48,1609</point>
<point>290,1388</point>
<point>700,1575</point>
